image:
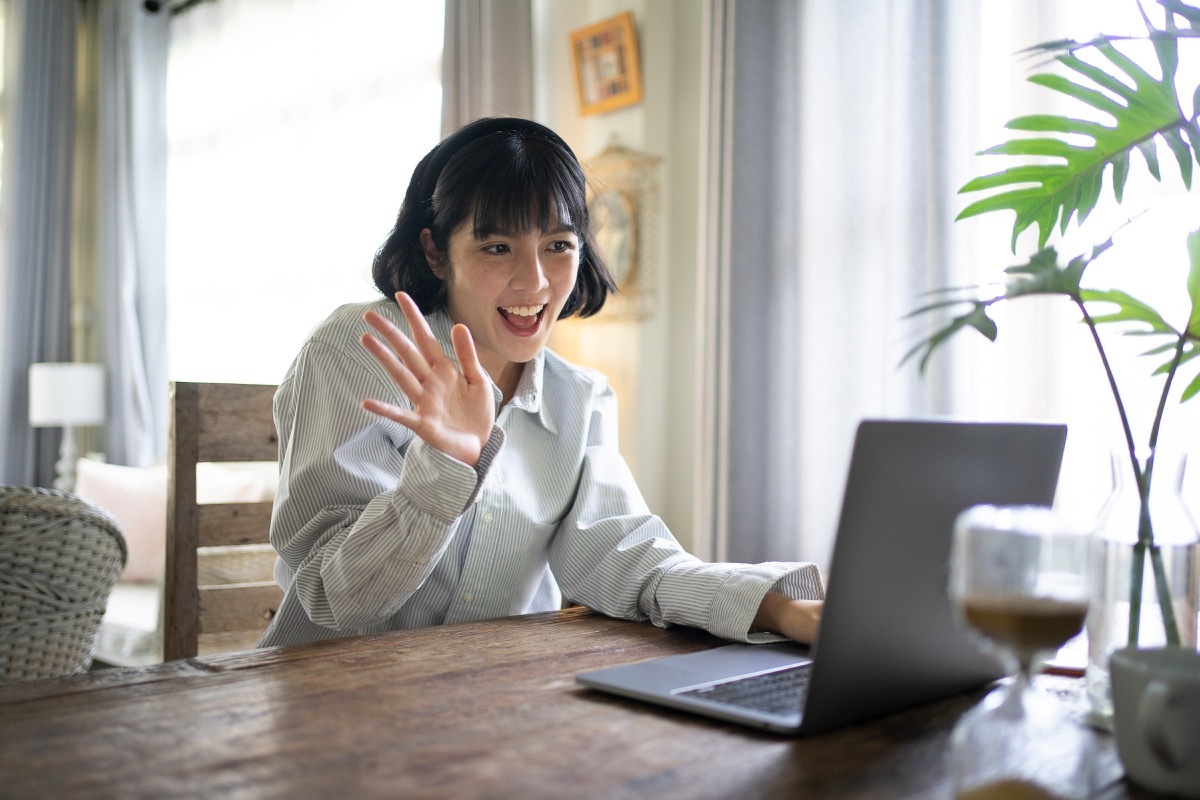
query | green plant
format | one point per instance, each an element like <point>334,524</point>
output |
<point>1057,177</point>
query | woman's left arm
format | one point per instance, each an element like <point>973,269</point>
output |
<point>612,555</point>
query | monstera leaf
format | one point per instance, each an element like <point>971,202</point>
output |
<point>1067,181</point>
<point>1041,275</point>
<point>1143,110</point>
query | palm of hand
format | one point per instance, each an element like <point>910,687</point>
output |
<point>452,414</point>
<point>452,409</point>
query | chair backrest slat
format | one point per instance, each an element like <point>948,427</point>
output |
<point>230,524</point>
<point>238,607</point>
<point>235,423</point>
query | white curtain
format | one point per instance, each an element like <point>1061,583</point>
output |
<point>83,230</point>
<point>130,226</point>
<point>293,128</point>
<point>837,134</point>
<point>36,223</point>
<point>487,64</point>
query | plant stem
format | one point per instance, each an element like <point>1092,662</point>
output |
<point>1135,590</point>
<point>1143,475</point>
<point>1145,529</point>
<point>1162,399</point>
<point>1112,385</point>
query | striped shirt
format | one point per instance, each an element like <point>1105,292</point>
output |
<point>377,531</point>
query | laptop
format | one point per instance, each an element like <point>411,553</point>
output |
<point>888,638</point>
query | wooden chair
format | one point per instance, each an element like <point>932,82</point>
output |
<point>218,594</point>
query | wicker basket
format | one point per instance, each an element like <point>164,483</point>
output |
<point>59,559</point>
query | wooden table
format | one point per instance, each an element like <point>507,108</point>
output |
<point>487,710</point>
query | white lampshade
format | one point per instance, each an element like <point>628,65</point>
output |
<point>66,394</point>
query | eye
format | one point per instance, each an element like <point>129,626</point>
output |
<point>562,246</point>
<point>497,248</point>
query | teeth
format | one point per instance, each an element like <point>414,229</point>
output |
<point>523,311</point>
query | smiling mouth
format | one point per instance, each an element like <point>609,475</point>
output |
<point>522,317</point>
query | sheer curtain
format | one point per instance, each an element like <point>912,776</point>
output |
<point>130,226</point>
<point>83,227</point>
<point>487,66</point>
<point>36,226</point>
<point>293,128</point>
<point>837,136</point>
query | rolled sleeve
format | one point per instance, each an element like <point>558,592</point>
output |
<point>724,598</point>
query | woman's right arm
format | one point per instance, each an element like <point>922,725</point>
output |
<point>364,510</point>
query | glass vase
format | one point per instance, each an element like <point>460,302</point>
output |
<point>1146,570</point>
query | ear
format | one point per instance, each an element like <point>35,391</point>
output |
<point>433,256</point>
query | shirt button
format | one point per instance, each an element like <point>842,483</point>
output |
<point>468,598</point>
<point>422,560</point>
<point>487,517</point>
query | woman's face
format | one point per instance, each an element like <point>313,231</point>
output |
<point>508,289</point>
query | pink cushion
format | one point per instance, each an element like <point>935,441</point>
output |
<point>137,497</point>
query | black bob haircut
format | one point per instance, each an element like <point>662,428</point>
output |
<point>504,174</point>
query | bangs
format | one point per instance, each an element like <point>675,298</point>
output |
<point>511,208</point>
<point>524,188</point>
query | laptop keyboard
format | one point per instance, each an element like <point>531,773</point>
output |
<point>779,692</point>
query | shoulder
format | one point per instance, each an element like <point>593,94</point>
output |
<point>578,398</point>
<point>346,323</point>
<point>332,348</point>
<point>570,390</point>
<point>562,374</point>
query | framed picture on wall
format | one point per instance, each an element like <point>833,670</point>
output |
<point>608,74</point>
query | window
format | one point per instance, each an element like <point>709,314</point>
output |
<point>293,128</point>
<point>1044,363</point>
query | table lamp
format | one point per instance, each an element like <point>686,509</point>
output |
<point>67,396</point>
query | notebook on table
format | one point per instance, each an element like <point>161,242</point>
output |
<point>888,638</point>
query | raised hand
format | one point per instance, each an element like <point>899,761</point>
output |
<point>453,410</point>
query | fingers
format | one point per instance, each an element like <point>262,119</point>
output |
<point>464,349</point>
<point>414,358</point>
<point>403,348</point>
<point>401,374</point>
<point>449,406</point>
<point>404,416</point>
<point>422,334</point>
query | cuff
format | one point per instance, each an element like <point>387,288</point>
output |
<point>440,485</point>
<point>490,450</point>
<point>738,598</point>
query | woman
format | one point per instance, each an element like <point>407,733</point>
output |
<point>442,465</point>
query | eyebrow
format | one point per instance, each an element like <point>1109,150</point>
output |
<point>480,233</point>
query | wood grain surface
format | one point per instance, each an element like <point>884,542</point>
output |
<point>475,710</point>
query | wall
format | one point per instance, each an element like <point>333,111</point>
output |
<point>651,363</point>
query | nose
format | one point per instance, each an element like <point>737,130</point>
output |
<point>528,274</point>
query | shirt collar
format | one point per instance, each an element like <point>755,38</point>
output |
<point>530,392</point>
